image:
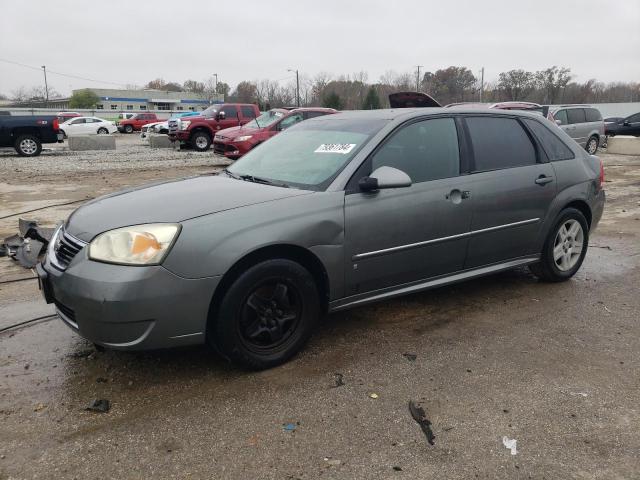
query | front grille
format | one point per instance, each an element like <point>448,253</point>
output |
<point>67,248</point>
<point>218,148</point>
<point>173,126</point>
<point>66,311</point>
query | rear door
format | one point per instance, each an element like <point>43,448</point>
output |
<point>403,235</point>
<point>578,126</point>
<point>512,188</point>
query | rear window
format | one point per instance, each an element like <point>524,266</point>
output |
<point>552,145</point>
<point>592,115</point>
<point>248,111</point>
<point>576,115</point>
<point>499,143</point>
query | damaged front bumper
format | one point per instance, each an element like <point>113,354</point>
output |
<point>127,307</point>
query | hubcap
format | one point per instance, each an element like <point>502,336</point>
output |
<point>270,315</point>
<point>568,245</point>
<point>201,142</point>
<point>593,146</point>
<point>28,146</point>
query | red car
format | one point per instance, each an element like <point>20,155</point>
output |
<point>236,141</point>
<point>64,116</point>
<point>136,122</point>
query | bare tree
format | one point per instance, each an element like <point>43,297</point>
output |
<point>551,81</point>
<point>516,84</point>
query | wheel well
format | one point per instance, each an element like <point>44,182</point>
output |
<point>289,252</point>
<point>583,207</point>
<point>200,129</point>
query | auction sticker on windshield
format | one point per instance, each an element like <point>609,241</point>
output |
<point>343,148</point>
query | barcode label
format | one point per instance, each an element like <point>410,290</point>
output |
<point>343,148</point>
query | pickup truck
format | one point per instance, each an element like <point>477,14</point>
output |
<point>198,132</point>
<point>26,133</point>
<point>236,141</point>
<point>136,122</point>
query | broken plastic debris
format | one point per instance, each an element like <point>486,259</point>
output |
<point>410,356</point>
<point>373,395</point>
<point>338,380</point>
<point>418,414</point>
<point>511,444</point>
<point>99,405</point>
<point>289,427</point>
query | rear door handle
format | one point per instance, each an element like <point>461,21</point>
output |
<point>543,180</point>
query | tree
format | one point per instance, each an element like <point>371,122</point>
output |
<point>371,101</point>
<point>83,99</point>
<point>333,100</point>
<point>245,92</point>
<point>157,84</point>
<point>173,87</point>
<point>452,84</point>
<point>193,86</point>
<point>551,81</point>
<point>516,84</point>
<point>223,89</point>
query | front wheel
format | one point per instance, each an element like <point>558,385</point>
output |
<point>28,146</point>
<point>592,145</point>
<point>102,131</point>
<point>565,247</point>
<point>266,315</point>
<point>128,128</point>
<point>201,141</point>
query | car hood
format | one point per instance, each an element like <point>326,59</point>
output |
<point>172,202</point>
<point>234,132</point>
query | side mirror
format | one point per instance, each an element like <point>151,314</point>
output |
<point>384,177</point>
<point>558,122</point>
<point>221,116</point>
<point>626,123</point>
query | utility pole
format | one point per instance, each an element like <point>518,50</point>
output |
<point>215,85</point>
<point>418,77</point>
<point>297,86</point>
<point>46,87</point>
<point>481,82</point>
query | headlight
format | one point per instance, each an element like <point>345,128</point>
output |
<point>135,245</point>
<point>184,125</point>
<point>243,138</point>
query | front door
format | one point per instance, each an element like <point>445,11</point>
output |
<point>512,191</point>
<point>403,235</point>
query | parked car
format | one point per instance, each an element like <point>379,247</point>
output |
<point>526,106</point>
<point>147,129</point>
<point>125,116</point>
<point>26,133</point>
<point>623,126</point>
<point>198,132</point>
<point>335,212</point>
<point>163,127</point>
<point>236,141</point>
<point>86,126</point>
<point>583,124</point>
<point>64,116</point>
<point>136,122</point>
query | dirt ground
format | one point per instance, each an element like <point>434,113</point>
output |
<point>555,367</point>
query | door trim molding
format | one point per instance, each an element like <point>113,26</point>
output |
<point>399,248</point>
<point>406,288</point>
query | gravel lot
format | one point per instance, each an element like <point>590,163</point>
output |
<point>555,367</point>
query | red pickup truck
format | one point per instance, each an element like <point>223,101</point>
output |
<point>137,122</point>
<point>199,131</point>
<point>236,141</point>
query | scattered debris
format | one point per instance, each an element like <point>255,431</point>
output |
<point>289,427</point>
<point>373,395</point>
<point>332,461</point>
<point>410,356</point>
<point>606,247</point>
<point>511,444</point>
<point>99,405</point>
<point>338,380</point>
<point>447,429</point>
<point>27,246</point>
<point>397,468</point>
<point>418,414</point>
<point>101,380</point>
<point>581,394</point>
<point>38,407</point>
<point>81,353</point>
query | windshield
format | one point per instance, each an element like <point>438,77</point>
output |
<point>266,119</point>
<point>211,111</point>
<point>310,154</point>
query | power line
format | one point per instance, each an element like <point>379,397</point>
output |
<point>63,74</point>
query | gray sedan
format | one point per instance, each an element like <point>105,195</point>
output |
<point>335,212</point>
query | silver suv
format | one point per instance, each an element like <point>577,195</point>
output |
<point>583,124</point>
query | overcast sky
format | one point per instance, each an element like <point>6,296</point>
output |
<point>132,42</point>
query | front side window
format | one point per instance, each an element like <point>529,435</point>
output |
<point>290,121</point>
<point>499,143</point>
<point>230,111</point>
<point>576,115</point>
<point>310,154</point>
<point>425,150</point>
<point>552,145</point>
<point>562,116</point>
<point>633,118</point>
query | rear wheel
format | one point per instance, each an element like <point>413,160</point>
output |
<point>102,131</point>
<point>28,146</point>
<point>266,315</point>
<point>128,128</point>
<point>201,141</point>
<point>565,247</point>
<point>592,145</point>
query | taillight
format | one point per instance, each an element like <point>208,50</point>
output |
<point>56,125</point>
<point>601,178</point>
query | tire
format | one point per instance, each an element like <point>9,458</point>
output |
<point>592,145</point>
<point>28,146</point>
<point>103,131</point>
<point>64,135</point>
<point>266,315</point>
<point>560,261</point>
<point>128,129</point>
<point>201,141</point>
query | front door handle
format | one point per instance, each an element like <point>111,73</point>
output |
<point>456,196</point>
<point>543,180</point>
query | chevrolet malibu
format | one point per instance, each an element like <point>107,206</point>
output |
<point>335,212</point>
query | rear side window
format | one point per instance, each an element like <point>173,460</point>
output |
<point>552,145</point>
<point>576,115</point>
<point>248,111</point>
<point>592,115</point>
<point>499,143</point>
<point>426,150</point>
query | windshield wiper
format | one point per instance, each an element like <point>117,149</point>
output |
<point>232,175</point>
<point>254,179</point>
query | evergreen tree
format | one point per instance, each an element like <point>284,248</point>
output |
<point>333,100</point>
<point>371,101</point>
